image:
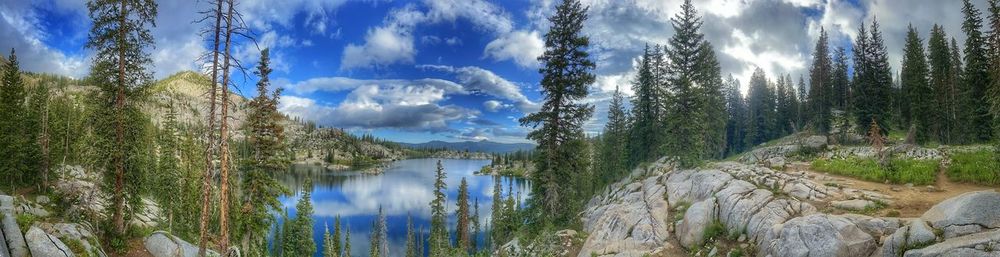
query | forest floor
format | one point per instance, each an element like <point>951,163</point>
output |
<point>908,201</point>
<point>136,248</point>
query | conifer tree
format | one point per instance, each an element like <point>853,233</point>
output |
<point>335,241</point>
<point>820,84</point>
<point>265,137</point>
<point>298,232</point>
<point>803,101</point>
<point>736,124</point>
<point>328,250</point>
<point>976,77</point>
<point>411,243</point>
<point>647,129</point>
<point>12,116</point>
<point>872,78</point>
<point>168,168</point>
<point>120,37</point>
<point>840,84</point>
<point>945,94</point>
<point>917,90</point>
<point>566,75</point>
<point>761,112</point>
<point>694,79</point>
<point>347,242</point>
<point>497,217</point>
<point>439,242</point>
<point>382,231</point>
<point>462,213</point>
<point>613,151</point>
<point>783,102</point>
<point>476,226</point>
<point>994,54</point>
<point>962,120</point>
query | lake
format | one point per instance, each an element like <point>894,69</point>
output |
<point>406,188</point>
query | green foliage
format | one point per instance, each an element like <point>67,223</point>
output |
<point>977,167</point>
<point>462,236</point>
<point>567,72</point>
<point>872,84</point>
<point>14,157</point>
<point>297,233</point>
<point>918,172</point>
<point>820,85</point>
<point>976,78</point>
<point>439,239</point>
<point>613,153</point>
<point>918,110</point>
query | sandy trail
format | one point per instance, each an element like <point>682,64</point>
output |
<point>909,201</point>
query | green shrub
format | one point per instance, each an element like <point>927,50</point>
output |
<point>918,172</point>
<point>25,220</point>
<point>714,231</point>
<point>977,167</point>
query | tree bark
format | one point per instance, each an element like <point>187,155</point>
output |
<point>210,144</point>
<point>224,138</point>
<point>119,158</point>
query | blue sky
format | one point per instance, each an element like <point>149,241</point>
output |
<point>453,70</point>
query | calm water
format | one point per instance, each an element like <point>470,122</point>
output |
<point>406,188</point>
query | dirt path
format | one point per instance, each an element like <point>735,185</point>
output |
<point>909,201</point>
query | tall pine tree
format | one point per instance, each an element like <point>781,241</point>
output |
<point>566,75</point>
<point>946,94</point>
<point>872,78</point>
<point>976,77</point>
<point>12,117</point>
<point>820,84</point>
<point>917,91</point>
<point>761,110</point>
<point>439,242</point>
<point>462,213</point>
<point>120,37</point>
<point>840,84</point>
<point>613,151</point>
<point>647,127</point>
<point>737,122</point>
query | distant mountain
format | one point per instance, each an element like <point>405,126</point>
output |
<point>473,146</point>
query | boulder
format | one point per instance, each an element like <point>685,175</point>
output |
<point>920,233</point>
<point>820,235</point>
<point>959,246</point>
<point>961,230</point>
<point>162,244</point>
<point>854,205</point>
<point>815,142</point>
<point>691,230</point>
<point>12,233</point>
<point>70,232</point>
<point>45,245</point>
<point>979,208</point>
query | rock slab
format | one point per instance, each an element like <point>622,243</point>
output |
<point>12,233</point>
<point>42,244</point>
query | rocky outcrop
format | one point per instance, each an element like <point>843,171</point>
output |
<point>42,244</point>
<point>162,244</point>
<point>11,232</point>
<point>74,232</point>
<point>773,211</point>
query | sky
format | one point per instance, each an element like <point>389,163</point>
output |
<point>456,70</point>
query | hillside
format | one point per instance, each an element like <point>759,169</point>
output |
<point>474,146</point>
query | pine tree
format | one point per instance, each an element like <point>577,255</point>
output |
<point>872,77</point>
<point>916,88</point>
<point>566,75</point>
<point>945,93</point>
<point>260,187</point>
<point>34,125</point>
<point>168,168</point>
<point>335,241</point>
<point>976,77</point>
<point>696,106</point>
<point>615,137</point>
<point>298,232</point>
<point>803,108</point>
<point>476,226</point>
<point>994,54</point>
<point>411,243</point>
<point>647,129</point>
<point>736,124</point>
<point>462,213</point>
<point>760,103</point>
<point>783,102</point>
<point>820,84</point>
<point>383,234</point>
<point>12,117</point>
<point>119,36</point>
<point>328,250</point>
<point>439,241</point>
<point>962,120</point>
<point>840,84</point>
<point>497,216</point>
<point>347,242</point>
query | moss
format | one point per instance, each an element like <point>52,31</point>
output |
<point>25,221</point>
<point>77,247</point>
<point>918,172</point>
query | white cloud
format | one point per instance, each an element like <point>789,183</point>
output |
<point>483,81</point>
<point>522,47</point>
<point>22,29</point>
<point>336,84</point>
<point>494,105</point>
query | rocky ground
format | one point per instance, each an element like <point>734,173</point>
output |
<point>768,205</point>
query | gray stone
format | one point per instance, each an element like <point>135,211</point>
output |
<point>12,233</point>
<point>854,205</point>
<point>969,208</point>
<point>920,233</point>
<point>815,142</point>
<point>961,230</point>
<point>162,244</point>
<point>45,245</point>
<point>820,235</point>
<point>895,244</point>
<point>41,199</point>
<point>691,230</point>
<point>954,246</point>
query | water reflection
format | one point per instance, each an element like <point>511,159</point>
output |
<point>406,188</point>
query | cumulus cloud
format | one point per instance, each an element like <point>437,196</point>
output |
<point>337,84</point>
<point>483,81</point>
<point>522,47</point>
<point>493,105</point>
<point>393,41</point>
<point>23,30</point>
<point>413,107</point>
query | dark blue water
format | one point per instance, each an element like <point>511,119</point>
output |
<point>406,188</point>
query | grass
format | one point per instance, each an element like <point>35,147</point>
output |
<point>977,167</point>
<point>25,220</point>
<point>918,172</point>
